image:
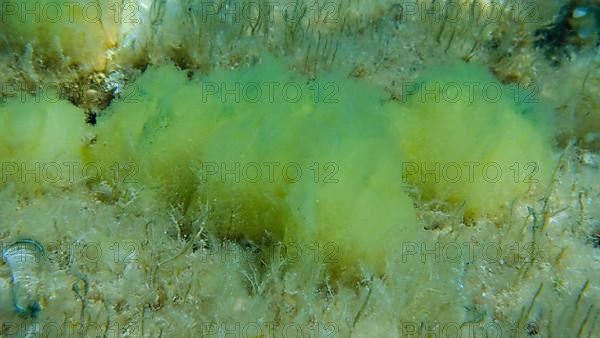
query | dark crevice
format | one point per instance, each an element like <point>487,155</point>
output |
<point>91,119</point>
<point>561,38</point>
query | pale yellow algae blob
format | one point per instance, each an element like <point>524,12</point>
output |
<point>41,141</point>
<point>468,138</point>
<point>74,32</point>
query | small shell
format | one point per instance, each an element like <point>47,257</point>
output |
<point>24,258</point>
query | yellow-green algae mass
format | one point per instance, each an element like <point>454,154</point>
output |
<point>467,138</point>
<point>75,32</point>
<point>310,163</point>
<point>41,142</point>
<point>322,162</point>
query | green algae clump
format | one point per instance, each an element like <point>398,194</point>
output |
<point>469,139</point>
<point>42,142</point>
<point>265,153</point>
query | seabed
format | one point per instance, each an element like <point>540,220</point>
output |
<point>109,227</point>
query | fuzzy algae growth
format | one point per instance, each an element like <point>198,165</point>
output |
<point>74,32</point>
<point>327,165</point>
<point>469,139</point>
<point>41,136</point>
<point>314,165</point>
